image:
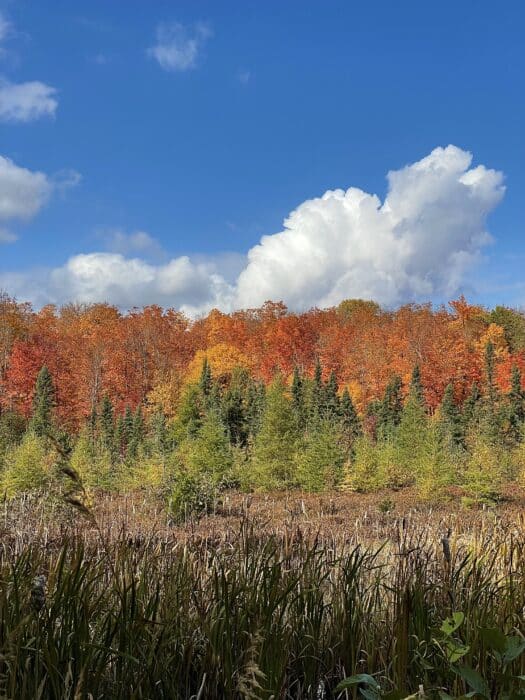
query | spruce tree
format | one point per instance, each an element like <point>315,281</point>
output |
<point>127,427</point>
<point>107,424</point>
<point>255,403</point>
<point>471,407</point>
<point>490,385</point>
<point>190,413</point>
<point>331,404</point>
<point>321,460</point>
<point>209,454</point>
<point>316,394</point>
<point>298,398</point>
<point>390,410</point>
<point>416,386</point>
<point>137,433</point>
<point>275,444</point>
<point>160,432</point>
<point>350,423</point>
<point>516,405</point>
<point>234,415</point>
<point>410,437</point>
<point>43,403</point>
<point>450,424</point>
<point>205,381</point>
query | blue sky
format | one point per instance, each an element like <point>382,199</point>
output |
<point>174,129</point>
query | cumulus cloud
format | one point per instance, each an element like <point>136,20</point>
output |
<point>26,102</point>
<point>178,47</point>
<point>24,192</point>
<point>192,287</point>
<point>417,244</point>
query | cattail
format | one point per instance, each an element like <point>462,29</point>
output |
<point>38,593</point>
<point>446,546</point>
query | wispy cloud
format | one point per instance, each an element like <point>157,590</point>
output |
<point>244,76</point>
<point>179,47</point>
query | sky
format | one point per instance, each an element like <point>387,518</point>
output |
<point>219,154</point>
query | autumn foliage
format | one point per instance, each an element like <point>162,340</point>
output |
<point>146,356</point>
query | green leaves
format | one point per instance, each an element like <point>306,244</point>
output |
<point>451,624</point>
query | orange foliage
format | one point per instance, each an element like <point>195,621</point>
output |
<point>146,355</point>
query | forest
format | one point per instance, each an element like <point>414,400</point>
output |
<point>262,504</point>
<point>355,397</point>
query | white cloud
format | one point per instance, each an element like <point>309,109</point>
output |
<point>126,282</point>
<point>178,47</point>
<point>25,102</point>
<point>418,244</point>
<point>137,242</point>
<point>24,192</point>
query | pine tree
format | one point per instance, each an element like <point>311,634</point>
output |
<point>316,394</point>
<point>471,407</point>
<point>209,454</point>
<point>255,403</point>
<point>364,473</point>
<point>350,423</point>
<point>234,415</point>
<point>205,381</point>
<point>137,433</point>
<point>409,437</point>
<point>298,398</point>
<point>190,413</point>
<point>275,444</point>
<point>107,424</point>
<point>43,403</point>
<point>416,386</point>
<point>490,386</point>
<point>160,432</point>
<point>331,405</point>
<point>127,427</point>
<point>320,462</point>
<point>450,425</point>
<point>390,410</point>
<point>516,405</point>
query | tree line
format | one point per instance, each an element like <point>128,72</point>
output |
<point>301,431</point>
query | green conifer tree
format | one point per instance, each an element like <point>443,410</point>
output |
<point>275,444</point>
<point>409,437</point>
<point>321,460</point>
<point>390,410</point>
<point>43,404</point>
<point>298,398</point>
<point>107,424</point>
<point>209,454</point>
<point>206,381</point>
<point>516,406</point>
<point>350,423</point>
<point>331,408</point>
<point>450,425</point>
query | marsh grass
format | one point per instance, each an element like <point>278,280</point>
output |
<point>256,610</point>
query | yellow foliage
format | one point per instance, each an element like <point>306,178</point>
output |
<point>222,358</point>
<point>164,396</point>
<point>496,335</point>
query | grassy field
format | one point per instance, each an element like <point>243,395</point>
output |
<point>277,596</point>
